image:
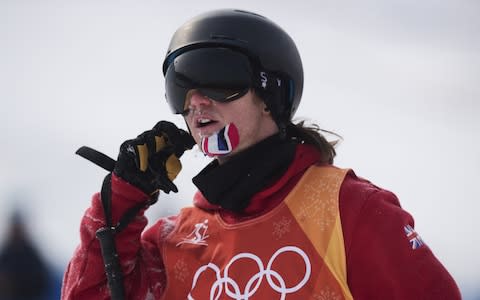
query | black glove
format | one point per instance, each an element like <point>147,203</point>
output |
<point>151,161</point>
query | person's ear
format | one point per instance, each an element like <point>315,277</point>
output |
<point>266,109</point>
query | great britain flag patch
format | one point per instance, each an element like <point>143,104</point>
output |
<point>414,239</point>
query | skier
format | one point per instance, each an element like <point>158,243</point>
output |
<point>273,217</point>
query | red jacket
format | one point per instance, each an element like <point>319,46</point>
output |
<point>386,258</point>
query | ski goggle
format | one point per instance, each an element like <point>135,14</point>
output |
<point>220,74</point>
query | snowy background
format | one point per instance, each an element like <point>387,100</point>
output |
<point>398,79</point>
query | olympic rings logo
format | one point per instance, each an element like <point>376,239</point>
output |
<point>233,290</point>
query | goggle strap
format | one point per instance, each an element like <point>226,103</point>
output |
<point>274,91</point>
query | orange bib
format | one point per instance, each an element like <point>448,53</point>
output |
<point>295,251</point>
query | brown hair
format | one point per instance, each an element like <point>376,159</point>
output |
<point>312,134</point>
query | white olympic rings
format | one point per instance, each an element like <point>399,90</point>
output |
<point>254,282</point>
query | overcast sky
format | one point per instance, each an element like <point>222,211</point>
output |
<point>397,79</point>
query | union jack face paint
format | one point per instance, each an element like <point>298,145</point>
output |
<point>221,142</point>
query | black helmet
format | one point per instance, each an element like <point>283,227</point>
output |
<point>269,48</point>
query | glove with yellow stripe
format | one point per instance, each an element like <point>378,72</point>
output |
<point>151,161</point>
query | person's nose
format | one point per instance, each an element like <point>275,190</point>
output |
<point>197,100</point>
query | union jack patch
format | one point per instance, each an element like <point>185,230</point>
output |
<point>413,237</point>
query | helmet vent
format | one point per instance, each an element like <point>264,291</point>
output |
<point>224,37</point>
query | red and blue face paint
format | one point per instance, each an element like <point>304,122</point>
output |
<point>221,142</point>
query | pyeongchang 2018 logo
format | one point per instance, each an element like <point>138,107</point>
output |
<point>225,284</point>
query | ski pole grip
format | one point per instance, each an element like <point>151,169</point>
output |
<point>113,271</point>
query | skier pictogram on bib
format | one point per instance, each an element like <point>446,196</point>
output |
<point>198,236</point>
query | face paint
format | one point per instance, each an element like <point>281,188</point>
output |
<point>221,142</point>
